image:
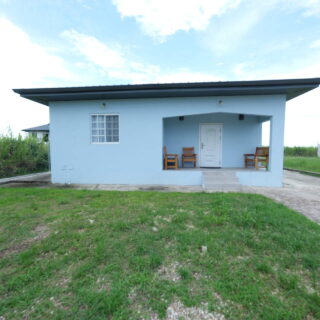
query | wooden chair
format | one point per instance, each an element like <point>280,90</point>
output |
<point>170,160</point>
<point>188,155</point>
<point>259,159</point>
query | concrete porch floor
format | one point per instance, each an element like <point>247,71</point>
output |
<point>220,179</point>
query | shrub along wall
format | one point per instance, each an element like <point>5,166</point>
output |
<point>22,155</point>
<point>300,151</point>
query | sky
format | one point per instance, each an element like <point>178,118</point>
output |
<point>56,43</point>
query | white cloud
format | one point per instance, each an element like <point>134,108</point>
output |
<point>310,7</point>
<point>186,76</point>
<point>225,35</point>
<point>302,113</point>
<point>114,62</point>
<point>161,18</point>
<point>302,120</point>
<point>110,59</point>
<point>315,44</point>
<point>24,63</point>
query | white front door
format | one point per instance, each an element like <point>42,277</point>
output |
<point>210,145</point>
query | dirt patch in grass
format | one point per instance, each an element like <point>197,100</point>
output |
<point>177,311</point>
<point>170,272</point>
<point>41,232</point>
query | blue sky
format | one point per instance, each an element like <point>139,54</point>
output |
<point>95,42</point>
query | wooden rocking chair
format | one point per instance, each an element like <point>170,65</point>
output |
<point>259,159</point>
<point>188,155</point>
<point>170,160</point>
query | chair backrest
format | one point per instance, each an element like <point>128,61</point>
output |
<point>188,151</point>
<point>262,151</point>
<point>164,150</point>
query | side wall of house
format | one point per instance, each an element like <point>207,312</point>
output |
<point>137,158</point>
<point>238,136</point>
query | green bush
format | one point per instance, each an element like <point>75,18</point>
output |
<point>300,151</point>
<point>22,155</point>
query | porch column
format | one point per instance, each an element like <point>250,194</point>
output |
<point>277,143</point>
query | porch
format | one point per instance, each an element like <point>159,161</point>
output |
<point>220,141</point>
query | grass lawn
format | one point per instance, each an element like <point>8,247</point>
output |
<point>303,163</point>
<point>70,254</point>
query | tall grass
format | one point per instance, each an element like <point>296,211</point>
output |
<point>300,151</point>
<point>20,155</point>
<point>303,163</point>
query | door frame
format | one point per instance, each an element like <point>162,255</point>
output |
<point>221,139</point>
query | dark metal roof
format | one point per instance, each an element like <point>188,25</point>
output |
<point>289,87</point>
<point>43,128</point>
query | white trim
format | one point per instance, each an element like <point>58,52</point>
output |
<point>104,114</point>
<point>221,140</point>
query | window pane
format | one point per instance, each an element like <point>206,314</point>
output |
<point>104,128</point>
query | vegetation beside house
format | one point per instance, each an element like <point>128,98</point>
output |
<point>311,164</point>
<point>20,155</point>
<point>71,254</point>
<point>302,158</point>
<point>300,151</point>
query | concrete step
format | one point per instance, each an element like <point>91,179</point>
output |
<point>220,180</point>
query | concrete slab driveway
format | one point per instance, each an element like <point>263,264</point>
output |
<point>300,192</point>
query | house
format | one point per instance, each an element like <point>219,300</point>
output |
<point>40,132</point>
<point>115,134</point>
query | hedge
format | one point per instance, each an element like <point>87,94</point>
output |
<point>22,155</point>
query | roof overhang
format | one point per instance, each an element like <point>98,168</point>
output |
<point>43,128</point>
<point>291,88</point>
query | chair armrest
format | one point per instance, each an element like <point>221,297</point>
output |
<point>171,155</point>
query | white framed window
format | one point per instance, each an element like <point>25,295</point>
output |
<point>104,128</point>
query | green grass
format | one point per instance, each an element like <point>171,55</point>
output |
<point>303,163</point>
<point>70,254</point>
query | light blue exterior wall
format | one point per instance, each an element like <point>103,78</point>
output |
<point>137,158</point>
<point>238,136</point>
